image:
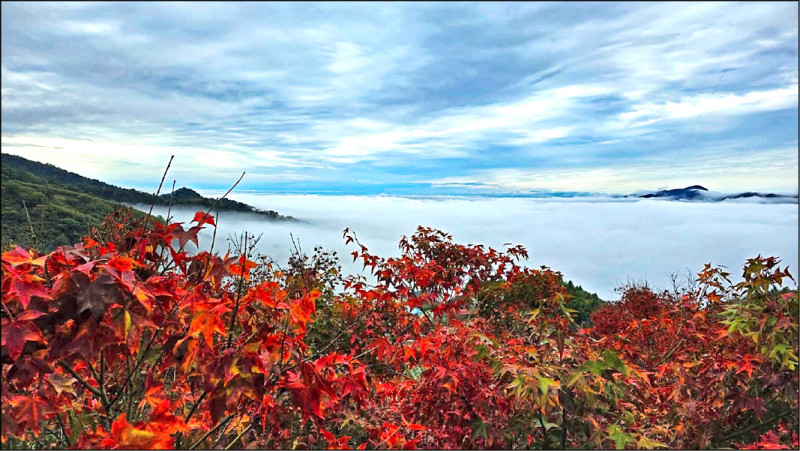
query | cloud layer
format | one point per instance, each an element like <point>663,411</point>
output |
<point>398,98</point>
<point>598,243</point>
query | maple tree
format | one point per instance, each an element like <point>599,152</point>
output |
<point>127,340</point>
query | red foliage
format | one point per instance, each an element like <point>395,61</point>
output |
<point>128,341</point>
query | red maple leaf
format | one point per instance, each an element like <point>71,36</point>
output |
<point>20,331</point>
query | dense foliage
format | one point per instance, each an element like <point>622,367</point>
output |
<point>38,214</point>
<point>582,302</point>
<point>125,340</point>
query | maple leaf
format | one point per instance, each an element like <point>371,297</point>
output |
<point>242,268</point>
<point>123,263</point>
<point>62,383</point>
<point>19,256</point>
<point>101,292</point>
<point>746,366</point>
<point>203,218</point>
<point>335,443</point>
<point>16,333</point>
<point>206,323</point>
<point>301,310</point>
<point>307,386</point>
<point>154,394</point>
<point>127,436</point>
<point>27,286</point>
<point>185,353</point>
<point>163,421</point>
<point>412,426</point>
<point>185,236</point>
<point>29,411</point>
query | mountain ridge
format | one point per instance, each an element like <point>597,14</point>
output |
<point>700,193</point>
<point>45,206</point>
<point>106,191</point>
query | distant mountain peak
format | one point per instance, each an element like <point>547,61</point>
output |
<point>690,192</point>
<point>695,193</point>
<point>183,193</point>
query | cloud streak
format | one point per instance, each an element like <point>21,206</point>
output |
<point>368,98</point>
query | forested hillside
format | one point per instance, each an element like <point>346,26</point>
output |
<point>22,168</point>
<point>63,206</point>
<point>55,215</point>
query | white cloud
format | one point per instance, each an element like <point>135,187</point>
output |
<point>725,104</point>
<point>454,131</point>
<point>598,244</point>
<point>717,171</point>
<point>97,159</point>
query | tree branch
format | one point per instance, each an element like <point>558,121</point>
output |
<point>80,379</point>
<point>230,445</point>
<point>211,431</point>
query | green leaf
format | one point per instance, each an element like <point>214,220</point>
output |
<point>576,376</point>
<point>483,352</point>
<point>545,383</point>
<point>646,443</point>
<point>547,426</point>
<point>519,385</point>
<point>595,367</point>
<point>613,360</point>
<point>620,438</point>
<point>480,429</point>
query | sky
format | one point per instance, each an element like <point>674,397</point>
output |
<point>407,98</point>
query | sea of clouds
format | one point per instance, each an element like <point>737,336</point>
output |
<point>599,243</point>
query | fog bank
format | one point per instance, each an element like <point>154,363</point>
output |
<point>597,243</point>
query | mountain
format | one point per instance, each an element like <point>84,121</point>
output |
<point>184,195</point>
<point>62,206</point>
<point>749,194</point>
<point>37,213</point>
<point>700,193</point>
<point>690,192</point>
<point>75,182</point>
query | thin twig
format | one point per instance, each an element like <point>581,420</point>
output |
<point>238,294</point>
<point>761,424</point>
<point>149,344</point>
<point>10,315</point>
<point>194,407</point>
<point>211,431</point>
<point>102,389</point>
<point>63,431</point>
<point>149,213</point>
<point>169,213</point>
<point>239,436</point>
<point>33,234</point>
<point>223,196</point>
<point>318,354</point>
<point>103,374</point>
<point>169,207</point>
<point>222,433</point>
<point>669,354</point>
<point>214,237</point>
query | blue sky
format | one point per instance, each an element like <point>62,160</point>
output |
<point>408,98</point>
